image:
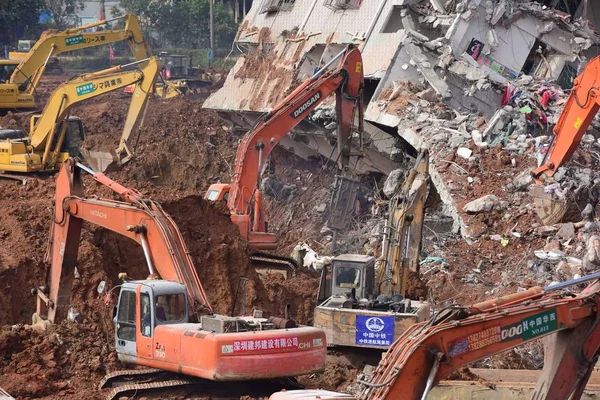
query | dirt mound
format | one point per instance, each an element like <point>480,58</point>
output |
<point>300,292</point>
<point>336,377</point>
<point>57,363</point>
<point>180,146</point>
<point>221,258</point>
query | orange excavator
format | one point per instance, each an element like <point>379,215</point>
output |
<point>577,115</point>
<point>243,194</point>
<point>457,336</point>
<point>154,316</point>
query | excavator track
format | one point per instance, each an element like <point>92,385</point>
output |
<point>138,387</point>
<point>132,381</point>
<point>18,178</point>
<point>129,373</point>
<point>266,263</point>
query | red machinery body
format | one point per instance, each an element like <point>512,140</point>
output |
<point>216,347</point>
<point>457,336</point>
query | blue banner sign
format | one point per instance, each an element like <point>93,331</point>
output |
<point>374,331</point>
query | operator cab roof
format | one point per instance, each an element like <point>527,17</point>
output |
<point>357,258</point>
<point>11,134</point>
<point>160,286</point>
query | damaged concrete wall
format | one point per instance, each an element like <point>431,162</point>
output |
<point>509,47</point>
<point>416,54</point>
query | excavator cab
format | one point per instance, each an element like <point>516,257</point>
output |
<point>142,306</point>
<point>351,310</point>
<point>353,276</point>
<point>217,191</point>
<point>15,149</point>
<point>74,137</point>
<point>7,67</point>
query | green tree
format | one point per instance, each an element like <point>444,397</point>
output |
<point>60,10</point>
<point>146,11</point>
<point>18,14</point>
<point>183,23</point>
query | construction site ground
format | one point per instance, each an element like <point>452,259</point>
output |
<point>182,150</point>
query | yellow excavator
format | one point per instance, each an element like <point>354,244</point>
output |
<point>359,305</point>
<point>55,136</point>
<point>20,76</point>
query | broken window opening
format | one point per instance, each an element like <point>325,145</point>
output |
<point>394,21</point>
<point>343,4</point>
<point>535,58</point>
<point>272,6</point>
<point>567,75</point>
<point>369,89</point>
<point>567,6</point>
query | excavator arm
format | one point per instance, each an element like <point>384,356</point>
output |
<point>403,229</point>
<point>137,218</point>
<point>347,82</point>
<point>579,111</point>
<point>457,336</point>
<point>27,75</point>
<point>49,131</point>
<point>429,352</point>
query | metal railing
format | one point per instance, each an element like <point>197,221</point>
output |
<point>270,6</point>
<point>343,4</point>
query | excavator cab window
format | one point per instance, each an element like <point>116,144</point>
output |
<point>6,70</point>
<point>73,139</point>
<point>347,277</point>
<point>212,195</point>
<point>170,307</point>
<point>126,316</point>
<point>146,328</point>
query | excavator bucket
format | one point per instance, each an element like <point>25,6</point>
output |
<point>101,161</point>
<point>171,89</point>
<point>550,205</point>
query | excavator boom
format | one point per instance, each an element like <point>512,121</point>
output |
<point>139,219</point>
<point>18,92</point>
<point>457,336</point>
<point>153,327</point>
<point>347,82</point>
<point>577,115</point>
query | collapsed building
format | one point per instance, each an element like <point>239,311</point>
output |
<point>453,76</point>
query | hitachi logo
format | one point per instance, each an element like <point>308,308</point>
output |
<point>98,214</point>
<point>306,105</point>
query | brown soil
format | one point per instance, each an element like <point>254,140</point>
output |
<point>182,149</point>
